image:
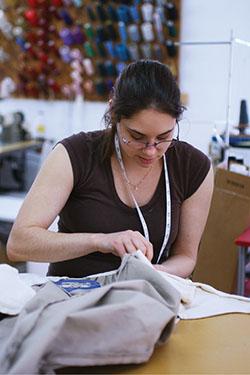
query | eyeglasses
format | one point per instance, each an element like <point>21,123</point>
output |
<point>138,145</point>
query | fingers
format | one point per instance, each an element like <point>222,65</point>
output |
<point>129,241</point>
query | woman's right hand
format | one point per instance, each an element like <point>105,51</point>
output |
<point>120,243</point>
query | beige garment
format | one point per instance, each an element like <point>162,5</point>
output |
<point>200,300</point>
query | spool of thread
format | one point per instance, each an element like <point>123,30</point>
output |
<point>21,43</point>
<point>110,48</point>
<point>66,17</point>
<point>66,37</point>
<point>112,13</point>
<point>89,30</point>
<point>100,49</point>
<point>134,13</point>
<point>101,33</point>
<point>78,3</point>
<point>161,11</point>
<point>32,3</point>
<point>110,85</point>
<point>101,70</point>
<point>122,31</point>
<point>64,52</point>
<point>119,67</point>
<point>134,33</point>
<point>88,66</point>
<point>158,27</point>
<point>88,86</point>
<point>100,12</point>
<point>67,3</point>
<point>146,50</point>
<point>147,12</point>
<point>111,30</point>
<point>101,87</point>
<point>172,12</point>
<point>172,52</point>
<point>88,49</point>
<point>123,14</point>
<point>122,52</point>
<point>147,31</point>
<point>110,68</point>
<point>171,28</point>
<point>134,51</point>
<point>91,15</point>
<point>158,53</point>
<point>77,35</point>
<point>56,3</point>
<point>31,17</point>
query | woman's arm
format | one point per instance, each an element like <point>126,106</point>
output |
<point>193,217</point>
<point>30,239</point>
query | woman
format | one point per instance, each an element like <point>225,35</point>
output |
<point>132,186</point>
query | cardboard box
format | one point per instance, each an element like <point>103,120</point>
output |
<point>229,216</point>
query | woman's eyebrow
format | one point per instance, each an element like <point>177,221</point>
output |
<point>144,135</point>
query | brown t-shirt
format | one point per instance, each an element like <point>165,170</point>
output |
<point>94,206</point>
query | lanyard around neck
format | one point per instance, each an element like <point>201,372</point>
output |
<point>168,199</point>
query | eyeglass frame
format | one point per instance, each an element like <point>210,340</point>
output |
<point>146,144</point>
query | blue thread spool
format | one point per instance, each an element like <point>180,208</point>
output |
<point>122,52</point>
<point>110,68</point>
<point>64,52</point>
<point>110,48</point>
<point>78,3</point>
<point>134,13</point>
<point>119,67</point>
<point>111,13</point>
<point>123,14</point>
<point>21,43</point>
<point>66,17</point>
<point>122,31</point>
<point>110,85</point>
<point>134,33</point>
<point>66,37</point>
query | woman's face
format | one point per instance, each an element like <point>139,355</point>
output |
<point>148,126</point>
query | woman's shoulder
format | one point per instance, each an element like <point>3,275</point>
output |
<point>91,137</point>
<point>188,166</point>
<point>185,152</point>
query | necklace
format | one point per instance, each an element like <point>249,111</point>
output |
<point>136,187</point>
<point>168,201</point>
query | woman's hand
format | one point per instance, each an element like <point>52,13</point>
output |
<point>120,243</point>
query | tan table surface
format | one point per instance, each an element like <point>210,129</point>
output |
<point>215,345</point>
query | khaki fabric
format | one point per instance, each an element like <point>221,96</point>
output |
<point>118,323</point>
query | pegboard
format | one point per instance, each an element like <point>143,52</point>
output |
<point>55,49</point>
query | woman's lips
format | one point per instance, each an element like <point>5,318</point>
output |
<point>146,161</point>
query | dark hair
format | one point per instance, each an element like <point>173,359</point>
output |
<point>141,85</point>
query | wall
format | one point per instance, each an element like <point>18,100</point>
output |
<point>203,76</point>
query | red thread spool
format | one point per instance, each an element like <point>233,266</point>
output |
<point>31,17</point>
